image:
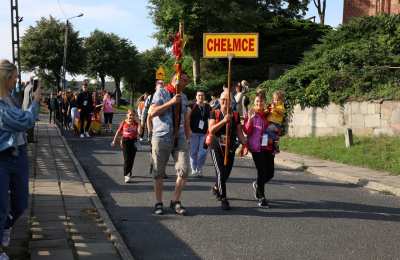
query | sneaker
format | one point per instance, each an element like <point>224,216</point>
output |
<point>178,208</point>
<point>199,173</point>
<point>87,134</point>
<point>225,204</point>
<point>5,242</point>
<point>216,193</point>
<point>128,179</point>
<point>254,185</point>
<point>4,256</point>
<point>194,173</point>
<point>82,136</point>
<point>263,203</point>
<point>158,209</point>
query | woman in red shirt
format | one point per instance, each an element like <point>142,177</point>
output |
<point>129,129</point>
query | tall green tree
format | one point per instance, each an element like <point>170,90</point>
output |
<point>42,50</point>
<point>122,60</point>
<point>201,16</point>
<point>132,73</point>
<point>100,49</point>
<point>150,61</point>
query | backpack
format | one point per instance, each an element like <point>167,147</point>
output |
<point>209,137</point>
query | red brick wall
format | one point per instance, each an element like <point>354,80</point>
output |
<point>355,8</point>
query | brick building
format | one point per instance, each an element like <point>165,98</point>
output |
<point>355,8</point>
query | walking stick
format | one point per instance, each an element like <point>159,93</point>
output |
<point>228,125</point>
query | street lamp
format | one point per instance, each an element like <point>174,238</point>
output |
<point>64,68</point>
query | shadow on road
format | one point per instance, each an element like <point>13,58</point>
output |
<point>154,237</point>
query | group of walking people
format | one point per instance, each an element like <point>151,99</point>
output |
<point>202,128</point>
<point>186,135</point>
<point>76,111</point>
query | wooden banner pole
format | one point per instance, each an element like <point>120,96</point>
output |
<point>228,125</point>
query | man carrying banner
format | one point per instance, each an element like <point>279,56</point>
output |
<point>164,103</point>
<point>216,140</point>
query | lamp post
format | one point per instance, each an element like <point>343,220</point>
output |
<point>64,68</point>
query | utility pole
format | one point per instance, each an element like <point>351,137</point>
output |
<point>64,67</point>
<point>15,20</point>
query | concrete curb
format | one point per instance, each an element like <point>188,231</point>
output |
<point>281,163</point>
<point>334,175</point>
<point>115,236</point>
<point>290,164</point>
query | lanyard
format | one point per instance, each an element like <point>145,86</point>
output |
<point>201,112</point>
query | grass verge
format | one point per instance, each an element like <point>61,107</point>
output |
<point>378,153</point>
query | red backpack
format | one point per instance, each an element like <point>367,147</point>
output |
<point>209,136</point>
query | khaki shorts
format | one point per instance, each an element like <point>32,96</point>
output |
<point>160,152</point>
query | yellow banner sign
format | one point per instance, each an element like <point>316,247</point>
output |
<point>222,45</point>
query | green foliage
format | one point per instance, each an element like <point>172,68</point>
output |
<point>150,61</point>
<point>99,52</point>
<point>110,55</point>
<point>42,50</point>
<point>201,16</point>
<point>351,63</point>
<point>379,153</point>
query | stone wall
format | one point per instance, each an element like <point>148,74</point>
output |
<point>365,118</point>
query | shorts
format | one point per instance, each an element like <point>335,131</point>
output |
<point>162,148</point>
<point>108,118</point>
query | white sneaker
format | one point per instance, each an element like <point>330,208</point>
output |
<point>82,136</point>
<point>4,256</point>
<point>199,173</point>
<point>194,173</point>
<point>128,179</point>
<point>87,134</point>
<point>5,242</point>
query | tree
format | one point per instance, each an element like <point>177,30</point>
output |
<point>321,7</point>
<point>150,60</point>
<point>42,50</point>
<point>132,69</point>
<point>122,60</point>
<point>99,54</point>
<point>201,16</point>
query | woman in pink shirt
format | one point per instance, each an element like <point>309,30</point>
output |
<point>108,111</point>
<point>129,129</point>
<point>261,148</point>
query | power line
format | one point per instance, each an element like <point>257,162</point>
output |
<point>61,9</point>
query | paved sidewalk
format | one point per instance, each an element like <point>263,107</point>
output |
<point>375,180</point>
<point>65,219</point>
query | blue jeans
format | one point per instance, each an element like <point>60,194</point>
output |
<point>14,177</point>
<point>198,154</point>
<point>273,131</point>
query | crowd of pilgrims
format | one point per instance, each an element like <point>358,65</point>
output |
<point>84,112</point>
<point>255,129</point>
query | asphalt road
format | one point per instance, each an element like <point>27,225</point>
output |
<point>310,218</point>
